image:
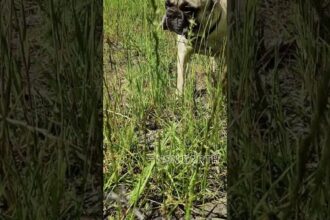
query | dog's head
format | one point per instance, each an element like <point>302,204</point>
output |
<point>183,14</point>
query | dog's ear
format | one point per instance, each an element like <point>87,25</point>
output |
<point>168,3</point>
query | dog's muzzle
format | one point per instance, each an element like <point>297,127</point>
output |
<point>175,21</point>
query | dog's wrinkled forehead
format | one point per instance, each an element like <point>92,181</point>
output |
<point>192,3</point>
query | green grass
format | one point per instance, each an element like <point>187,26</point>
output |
<point>51,133</point>
<point>278,105</point>
<point>145,125</point>
<point>49,109</point>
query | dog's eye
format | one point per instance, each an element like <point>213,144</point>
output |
<point>187,8</point>
<point>168,4</point>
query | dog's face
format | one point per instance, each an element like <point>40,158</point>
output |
<point>182,15</point>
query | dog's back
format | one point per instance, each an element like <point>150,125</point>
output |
<point>210,38</point>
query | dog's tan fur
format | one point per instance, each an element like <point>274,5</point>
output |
<point>212,14</point>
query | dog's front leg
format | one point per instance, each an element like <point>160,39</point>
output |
<point>184,54</point>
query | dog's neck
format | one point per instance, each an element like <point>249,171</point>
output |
<point>209,29</point>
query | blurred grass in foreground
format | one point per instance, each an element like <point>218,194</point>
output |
<point>51,98</point>
<point>278,133</point>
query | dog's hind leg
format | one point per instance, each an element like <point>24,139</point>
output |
<point>214,71</point>
<point>219,74</point>
<point>184,54</point>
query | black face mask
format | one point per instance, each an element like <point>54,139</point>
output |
<point>177,18</point>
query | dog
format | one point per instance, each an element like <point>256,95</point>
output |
<point>201,27</point>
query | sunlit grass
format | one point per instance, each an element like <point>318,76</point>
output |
<point>146,125</point>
